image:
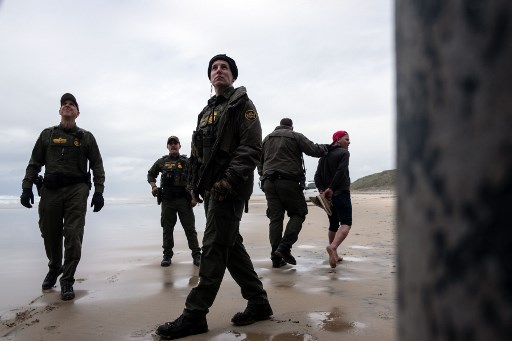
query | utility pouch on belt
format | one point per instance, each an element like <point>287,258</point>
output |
<point>197,140</point>
<point>159,196</point>
<point>302,182</point>
<point>262,182</point>
<point>39,183</point>
<point>270,175</point>
<point>207,148</point>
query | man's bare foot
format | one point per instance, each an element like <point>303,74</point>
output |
<point>333,257</point>
<point>340,259</point>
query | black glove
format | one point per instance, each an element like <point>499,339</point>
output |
<point>221,189</point>
<point>27,197</point>
<point>97,201</point>
<point>196,197</point>
<point>154,191</point>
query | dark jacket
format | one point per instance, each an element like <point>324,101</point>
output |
<point>226,143</point>
<point>282,152</point>
<point>332,171</point>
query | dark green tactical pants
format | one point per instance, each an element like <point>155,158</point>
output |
<point>171,210</point>
<point>284,196</point>
<point>62,216</point>
<point>223,248</point>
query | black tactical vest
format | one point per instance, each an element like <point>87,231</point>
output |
<point>174,174</point>
<point>63,153</point>
<point>208,127</point>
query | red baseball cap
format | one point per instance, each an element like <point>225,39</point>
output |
<point>338,134</point>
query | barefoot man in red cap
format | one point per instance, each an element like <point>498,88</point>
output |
<point>333,181</point>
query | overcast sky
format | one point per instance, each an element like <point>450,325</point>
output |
<point>138,69</point>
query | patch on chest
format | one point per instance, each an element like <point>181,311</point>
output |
<point>209,119</point>
<point>173,165</point>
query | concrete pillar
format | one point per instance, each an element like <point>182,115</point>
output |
<point>454,184</point>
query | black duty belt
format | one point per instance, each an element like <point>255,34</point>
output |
<point>54,181</point>
<point>173,194</point>
<point>281,176</point>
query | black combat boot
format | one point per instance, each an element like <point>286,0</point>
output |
<point>166,261</point>
<point>66,292</point>
<point>252,313</point>
<point>181,327</point>
<point>50,279</point>
<point>286,255</point>
<point>277,263</point>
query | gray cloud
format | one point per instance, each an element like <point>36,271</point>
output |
<point>138,70</point>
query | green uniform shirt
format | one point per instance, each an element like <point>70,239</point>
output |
<point>66,152</point>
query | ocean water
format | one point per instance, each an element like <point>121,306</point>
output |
<point>123,229</point>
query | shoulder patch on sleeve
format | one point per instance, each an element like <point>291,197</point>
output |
<point>251,115</point>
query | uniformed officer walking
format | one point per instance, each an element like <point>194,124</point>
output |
<point>65,151</point>
<point>175,200</point>
<point>226,150</point>
<point>283,176</point>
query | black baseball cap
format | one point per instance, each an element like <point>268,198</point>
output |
<point>68,96</point>
<point>175,138</point>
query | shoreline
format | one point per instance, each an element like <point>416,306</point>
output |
<point>122,292</point>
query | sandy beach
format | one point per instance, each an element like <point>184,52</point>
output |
<point>122,293</point>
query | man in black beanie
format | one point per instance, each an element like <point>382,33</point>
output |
<point>230,61</point>
<point>226,147</point>
<point>286,122</point>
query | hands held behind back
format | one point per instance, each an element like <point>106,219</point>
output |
<point>328,194</point>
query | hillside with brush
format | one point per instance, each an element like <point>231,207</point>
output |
<point>383,181</point>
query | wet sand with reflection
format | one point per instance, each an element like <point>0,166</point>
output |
<point>122,293</point>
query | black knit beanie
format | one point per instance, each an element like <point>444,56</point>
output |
<point>286,122</point>
<point>230,61</point>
